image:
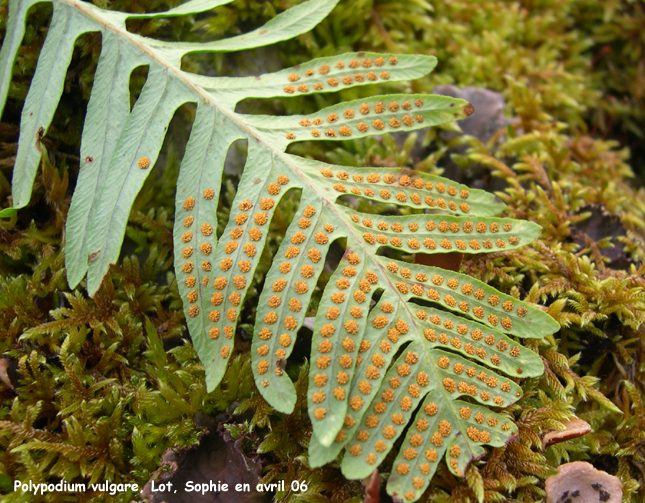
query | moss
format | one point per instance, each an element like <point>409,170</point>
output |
<point>103,386</point>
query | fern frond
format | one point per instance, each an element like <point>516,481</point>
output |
<point>433,336</point>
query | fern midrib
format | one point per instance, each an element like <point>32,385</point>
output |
<point>240,123</point>
<point>179,74</point>
<point>252,133</point>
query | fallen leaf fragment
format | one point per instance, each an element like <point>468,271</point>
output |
<point>372,488</point>
<point>580,482</point>
<point>574,428</point>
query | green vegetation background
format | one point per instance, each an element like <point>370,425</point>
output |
<point>102,387</point>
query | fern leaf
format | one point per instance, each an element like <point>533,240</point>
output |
<point>190,7</point>
<point>306,78</point>
<point>284,26</point>
<point>45,92</point>
<point>107,113</point>
<point>15,32</point>
<point>432,338</point>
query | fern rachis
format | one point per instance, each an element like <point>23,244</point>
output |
<point>360,397</point>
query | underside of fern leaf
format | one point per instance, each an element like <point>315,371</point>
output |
<point>436,350</point>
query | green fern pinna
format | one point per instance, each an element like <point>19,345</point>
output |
<point>443,368</point>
